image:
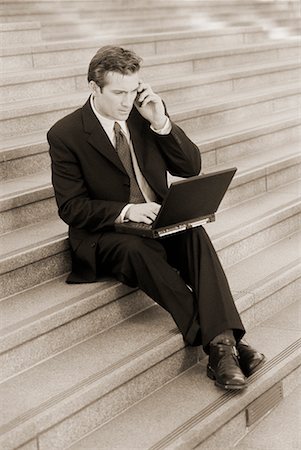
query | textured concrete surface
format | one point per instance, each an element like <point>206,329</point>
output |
<point>280,430</point>
<point>178,401</point>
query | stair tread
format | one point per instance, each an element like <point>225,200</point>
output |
<point>25,309</point>
<point>89,362</point>
<point>84,364</point>
<point>160,412</point>
<point>20,186</point>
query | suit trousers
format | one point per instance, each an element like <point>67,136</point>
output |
<point>182,273</point>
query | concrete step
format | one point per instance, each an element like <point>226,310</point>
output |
<point>166,50</point>
<point>28,154</point>
<point>131,6</point>
<point>96,385</point>
<point>116,25</point>
<point>46,319</point>
<point>157,355</point>
<point>39,252</point>
<point>227,110</point>
<point>45,83</point>
<point>19,33</point>
<point>207,417</point>
<point>39,114</point>
<point>26,200</point>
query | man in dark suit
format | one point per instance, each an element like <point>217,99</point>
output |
<point>110,160</point>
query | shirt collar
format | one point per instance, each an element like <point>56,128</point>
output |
<point>108,124</point>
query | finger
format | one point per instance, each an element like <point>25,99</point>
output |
<point>147,220</point>
<point>152,216</point>
<point>142,86</point>
<point>156,207</point>
<point>144,94</point>
<point>150,99</point>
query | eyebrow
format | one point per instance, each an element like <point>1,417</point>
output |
<point>122,90</point>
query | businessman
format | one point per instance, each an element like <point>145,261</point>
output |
<point>110,161</point>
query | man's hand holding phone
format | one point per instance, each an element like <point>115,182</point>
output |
<point>150,106</point>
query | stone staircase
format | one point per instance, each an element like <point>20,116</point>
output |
<point>100,366</point>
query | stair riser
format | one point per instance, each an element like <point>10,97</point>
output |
<point>82,56</point>
<point>236,114</point>
<point>55,262</point>
<point>212,5</point>
<point>246,58</point>
<point>90,8</point>
<point>70,421</point>
<point>86,27</point>
<point>63,333</point>
<point>228,86</point>
<point>27,214</point>
<point>27,15</point>
<point>181,93</point>
<point>252,243</point>
<point>41,270</point>
<point>20,37</point>
<point>26,164</point>
<point>213,154</point>
<point>189,121</point>
<point>32,123</point>
<point>264,182</point>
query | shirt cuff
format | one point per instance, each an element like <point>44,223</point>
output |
<point>120,218</point>
<point>166,128</point>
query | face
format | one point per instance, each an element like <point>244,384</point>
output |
<point>117,97</point>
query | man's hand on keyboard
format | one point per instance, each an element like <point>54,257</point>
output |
<point>143,212</point>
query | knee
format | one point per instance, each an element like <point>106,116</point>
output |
<point>136,246</point>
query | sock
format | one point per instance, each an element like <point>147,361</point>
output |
<point>226,337</point>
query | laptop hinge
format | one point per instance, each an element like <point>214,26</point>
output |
<point>184,226</point>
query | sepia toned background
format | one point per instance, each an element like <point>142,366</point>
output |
<point>100,366</point>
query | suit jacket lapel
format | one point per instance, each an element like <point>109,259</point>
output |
<point>98,137</point>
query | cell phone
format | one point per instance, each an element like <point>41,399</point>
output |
<point>137,96</point>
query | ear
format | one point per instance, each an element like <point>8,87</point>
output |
<point>94,88</point>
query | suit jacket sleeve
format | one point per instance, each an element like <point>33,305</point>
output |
<point>181,155</point>
<point>75,205</point>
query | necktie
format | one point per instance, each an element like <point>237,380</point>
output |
<point>124,153</point>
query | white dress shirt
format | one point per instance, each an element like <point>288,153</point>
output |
<point>108,126</point>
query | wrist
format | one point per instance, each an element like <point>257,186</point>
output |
<point>159,124</point>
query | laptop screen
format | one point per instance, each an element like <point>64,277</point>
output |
<point>194,197</point>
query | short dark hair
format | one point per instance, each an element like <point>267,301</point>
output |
<point>112,59</point>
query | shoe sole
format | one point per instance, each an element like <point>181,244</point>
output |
<point>227,387</point>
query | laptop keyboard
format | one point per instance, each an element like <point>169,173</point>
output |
<point>140,225</point>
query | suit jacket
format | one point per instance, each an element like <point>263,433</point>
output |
<point>91,185</point>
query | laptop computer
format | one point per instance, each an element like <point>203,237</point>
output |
<point>188,204</point>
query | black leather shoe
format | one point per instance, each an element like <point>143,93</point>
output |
<point>250,360</point>
<point>223,367</point>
